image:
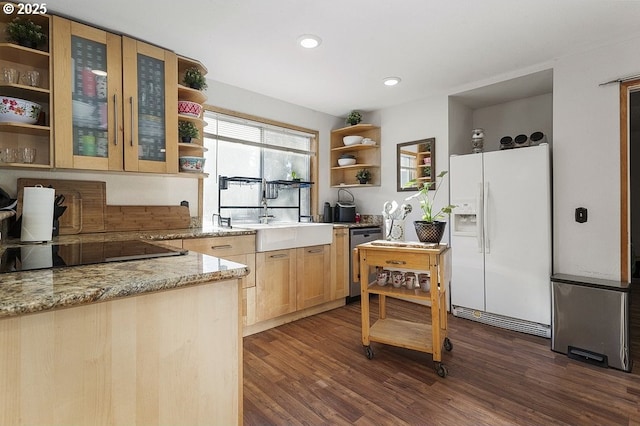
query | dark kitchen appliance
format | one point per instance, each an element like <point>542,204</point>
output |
<point>590,320</point>
<point>327,214</point>
<point>55,255</point>
<point>360,236</point>
<point>345,211</point>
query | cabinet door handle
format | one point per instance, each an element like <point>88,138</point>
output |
<point>278,256</point>
<point>115,119</point>
<point>223,246</point>
<point>317,250</point>
<point>131,102</point>
<point>396,262</point>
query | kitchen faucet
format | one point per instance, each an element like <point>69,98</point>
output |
<point>222,221</point>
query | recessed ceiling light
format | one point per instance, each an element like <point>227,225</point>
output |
<point>391,81</point>
<point>309,41</point>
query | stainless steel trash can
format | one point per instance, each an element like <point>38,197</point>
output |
<point>590,320</point>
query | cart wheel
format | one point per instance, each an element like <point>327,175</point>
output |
<point>368,352</point>
<point>441,370</point>
<point>447,344</point>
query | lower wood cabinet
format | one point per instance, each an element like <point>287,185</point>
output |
<point>292,280</point>
<point>275,283</point>
<point>340,274</point>
<point>238,248</point>
<point>167,357</point>
<point>313,280</point>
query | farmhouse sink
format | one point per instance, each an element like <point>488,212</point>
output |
<point>279,236</point>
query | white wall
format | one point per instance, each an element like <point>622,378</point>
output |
<point>523,116</point>
<point>423,119</point>
<point>586,159</point>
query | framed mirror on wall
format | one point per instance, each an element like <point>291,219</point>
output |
<point>416,160</point>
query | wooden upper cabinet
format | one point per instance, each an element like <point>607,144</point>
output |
<point>150,104</point>
<point>115,101</point>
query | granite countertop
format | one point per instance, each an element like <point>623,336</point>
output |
<point>41,290</point>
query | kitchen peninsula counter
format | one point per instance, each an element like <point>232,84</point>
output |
<point>150,341</point>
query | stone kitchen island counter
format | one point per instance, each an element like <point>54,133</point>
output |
<point>154,341</point>
<point>41,290</point>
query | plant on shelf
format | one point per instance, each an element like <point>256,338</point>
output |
<point>429,229</point>
<point>194,79</point>
<point>187,130</point>
<point>354,118</point>
<point>363,176</point>
<point>25,32</point>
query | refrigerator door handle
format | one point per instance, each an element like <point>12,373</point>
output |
<point>485,219</point>
<point>479,218</point>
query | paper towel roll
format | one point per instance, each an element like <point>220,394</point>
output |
<point>37,214</point>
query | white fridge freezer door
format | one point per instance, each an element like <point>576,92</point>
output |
<point>518,233</point>
<point>467,265</point>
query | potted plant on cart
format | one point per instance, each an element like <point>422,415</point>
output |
<point>429,229</point>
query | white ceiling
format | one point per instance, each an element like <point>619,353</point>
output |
<point>431,44</point>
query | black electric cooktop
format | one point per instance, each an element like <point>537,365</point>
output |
<point>56,255</point>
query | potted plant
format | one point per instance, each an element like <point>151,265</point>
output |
<point>194,79</point>
<point>363,176</point>
<point>429,229</point>
<point>354,118</point>
<point>25,32</point>
<point>187,130</point>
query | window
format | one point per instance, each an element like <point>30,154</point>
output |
<point>239,146</point>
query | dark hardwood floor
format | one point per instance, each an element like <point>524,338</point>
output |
<point>314,372</point>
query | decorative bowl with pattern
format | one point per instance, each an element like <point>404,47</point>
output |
<point>191,164</point>
<point>15,110</point>
<point>189,108</point>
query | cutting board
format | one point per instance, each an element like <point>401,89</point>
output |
<point>85,200</point>
<point>145,218</point>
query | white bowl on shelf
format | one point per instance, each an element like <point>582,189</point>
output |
<point>351,140</point>
<point>15,110</point>
<point>346,161</point>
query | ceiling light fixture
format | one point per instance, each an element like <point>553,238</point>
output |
<point>391,81</point>
<point>309,41</point>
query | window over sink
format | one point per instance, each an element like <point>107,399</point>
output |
<point>239,145</point>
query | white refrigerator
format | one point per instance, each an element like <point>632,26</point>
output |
<point>501,238</point>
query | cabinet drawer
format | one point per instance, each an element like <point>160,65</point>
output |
<point>222,246</point>
<point>392,259</point>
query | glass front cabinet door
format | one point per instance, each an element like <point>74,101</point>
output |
<point>150,108</point>
<point>112,103</point>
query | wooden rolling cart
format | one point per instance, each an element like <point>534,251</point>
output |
<point>432,258</point>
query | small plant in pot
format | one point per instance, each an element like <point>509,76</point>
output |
<point>194,79</point>
<point>363,176</point>
<point>187,130</point>
<point>26,33</point>
<point>354,118</point>
<point>429,229</point>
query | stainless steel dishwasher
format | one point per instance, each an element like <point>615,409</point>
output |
<point>357,236</point>
<point>590,320</point>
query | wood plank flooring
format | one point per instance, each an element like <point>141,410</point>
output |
<point>314,372</point>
